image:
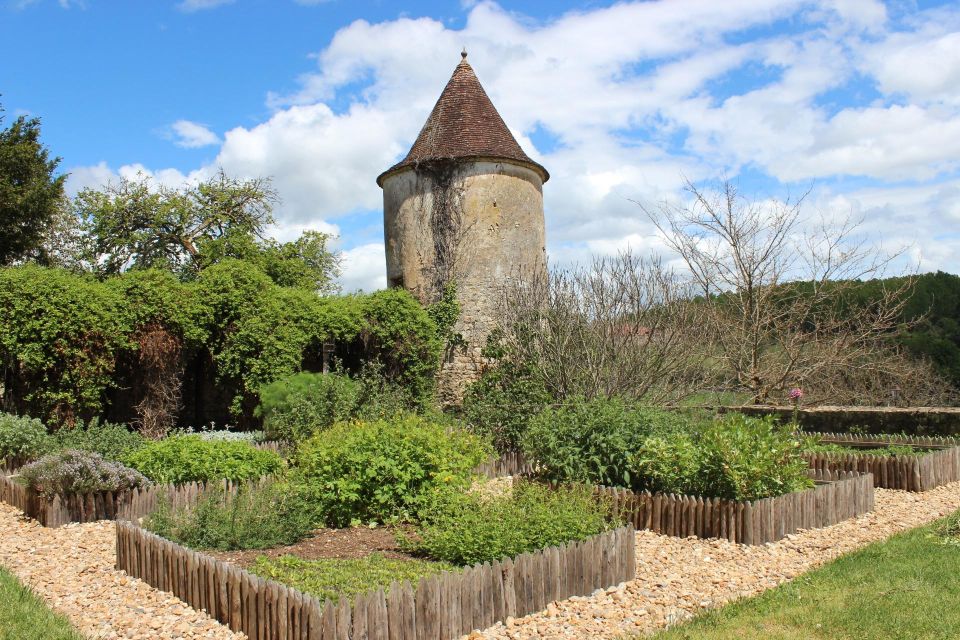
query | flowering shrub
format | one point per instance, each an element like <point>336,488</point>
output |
<point>22,437</point>
<point>221,435</point>
<point>73,471</point>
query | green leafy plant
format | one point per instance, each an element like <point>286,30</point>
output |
<point>22,437</point>
<point>335,578</point>
<point>746,458</point>
<point>467,528</point>
<point>385,469</point>
<point>190,458</point>
<point>296,407</point>
<point>73,471</point>
<point>257,516</point>
<point>593,441</point>
<point>112,441</point>
<point>609,442</point>
<point>503,401</point>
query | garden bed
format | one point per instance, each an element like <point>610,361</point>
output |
<point>928,462</point>
<point>102,505</point>
<point>446,605</point>
<point>837,496</point>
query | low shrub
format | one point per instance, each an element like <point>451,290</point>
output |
<point>746,458</point>
<point>594,440</point>
<point>468,528</point>
<point>190,458</point>
<point>502,403</point>
<point>383,470</point>
<point>112,441</point>
<point>22,437</point>
<point>335,578</point>
<point>608,442</point>
<point>256,517</point>
<point>296,407</point>
<point>72,471</point>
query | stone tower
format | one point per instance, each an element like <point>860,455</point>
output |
<point>465,205</point>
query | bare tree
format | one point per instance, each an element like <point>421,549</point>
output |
<point>620,327</point>
<point>779,294</point>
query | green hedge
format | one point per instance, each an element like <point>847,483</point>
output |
<point>64,335</point>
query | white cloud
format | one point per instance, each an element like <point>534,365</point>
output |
<point>192,135</point>
<point>637,96</point>
<point>189,6</point>
<point>364,268</point>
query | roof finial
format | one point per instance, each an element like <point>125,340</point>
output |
<point>463,54</point>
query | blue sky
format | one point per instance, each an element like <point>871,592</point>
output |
<point>857,100</point>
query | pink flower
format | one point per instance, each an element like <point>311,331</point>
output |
<point>796,393</point>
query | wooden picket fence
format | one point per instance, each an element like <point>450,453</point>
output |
<point>507,464</point>
<point>937,464</point>
<point>443,606</point>
<point>836,497</point>
<point>104,505</point>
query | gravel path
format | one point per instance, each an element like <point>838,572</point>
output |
<point>676,577</point>
<point>71,568</point>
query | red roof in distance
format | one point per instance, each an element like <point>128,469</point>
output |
<point>464,124</point>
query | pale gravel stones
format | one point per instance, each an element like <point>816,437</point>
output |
<point>71,568</point>
<point>677,577</point>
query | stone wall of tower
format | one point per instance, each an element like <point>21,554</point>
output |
<point>479,222</point>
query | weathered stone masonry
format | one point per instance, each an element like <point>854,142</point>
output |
<point>465,204</point>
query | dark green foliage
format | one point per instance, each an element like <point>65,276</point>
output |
<point>335,578</point>
<point>63,335</point>
<point>190,458</point>
<point>501,404</point>
<point>110,440</point>
<point>30,195</point>
<point>594,440</point>
<point>72,471</point>
<point>59,335</point>
<point>22,437</point>
<point>258,516</point>
<point>608,442</point>
<point>295,408</point>
<point>470,528</point>
<point>401,337</point>
<point>384,470</point>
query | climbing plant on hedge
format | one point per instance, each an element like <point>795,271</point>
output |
<point>66,338</point>
<point>59,336</point>
<point>403,338</point>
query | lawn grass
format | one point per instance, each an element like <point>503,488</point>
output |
<point>905,587</point>
<point>23,616</point>
<point>332,578</point>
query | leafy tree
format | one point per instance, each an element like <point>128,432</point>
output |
<point>132,225</point>
<point>305,263</point>
<point>30,193</point>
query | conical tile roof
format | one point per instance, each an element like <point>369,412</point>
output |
<point>464,124</point>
